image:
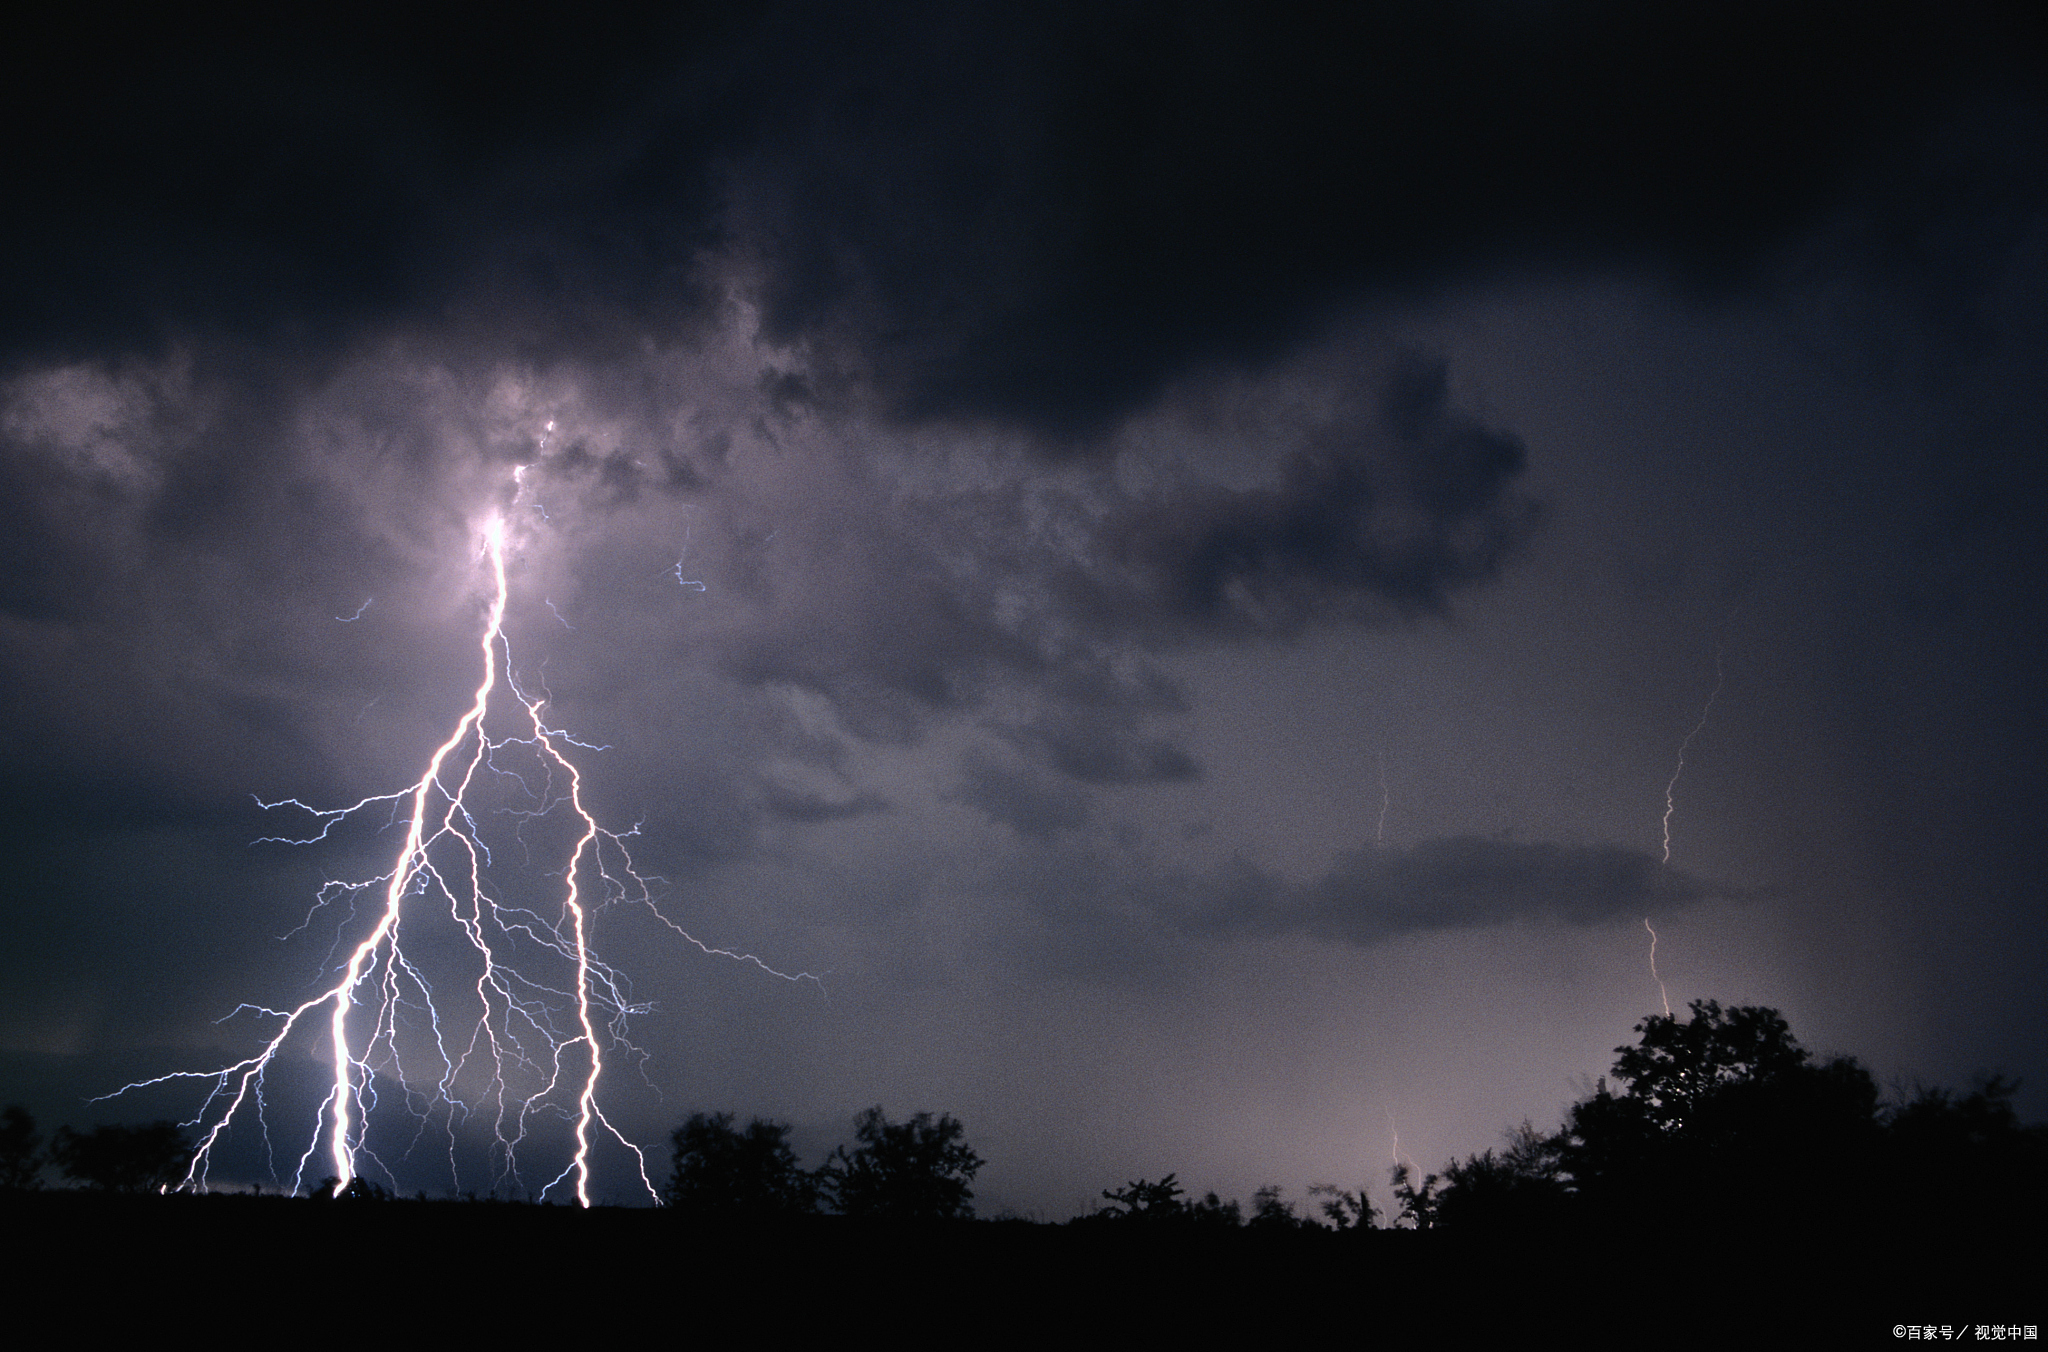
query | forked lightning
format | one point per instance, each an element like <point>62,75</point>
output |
<point>538,1044</point>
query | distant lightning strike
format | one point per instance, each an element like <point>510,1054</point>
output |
<point>1401,1159</point>
<point>1671,788</point>
<point>1379,835</point>
<point>1671,806</point>
<point>1662,994</point>
<point>677,571</point>
<point>518,1032</point>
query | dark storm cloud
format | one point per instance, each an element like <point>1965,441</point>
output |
<point>797,806</point>
<point>1045,219</point>
<point>1096,747</point>
<point>1038,215</point>
<point>1373,514</point>
<point>1026,800</point>
<point>1044,601</point>
<point>296,179</point>
<point>1459,883</point>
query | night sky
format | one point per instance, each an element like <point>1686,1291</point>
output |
<point>1167,552</point>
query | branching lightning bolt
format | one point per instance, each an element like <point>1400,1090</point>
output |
<point>537,1047</point>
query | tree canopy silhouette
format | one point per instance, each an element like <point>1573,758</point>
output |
<point>1710,1106</point>
<point>123,1159</point>
<point>1519,1189</point>
<point>728,1174</point>
<point>1144,1200</point>
<point>21,1149</point>
<point>1969,1154</point>
<point>1718,1113</point>
<point>1164,1204</point>
<point>918,1170</point>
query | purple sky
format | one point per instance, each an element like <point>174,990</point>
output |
<point>1213,529</point>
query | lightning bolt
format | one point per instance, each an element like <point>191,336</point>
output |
<point>1662,994</point>
<point>1400,1158</point>
<point>1671,788</point>
<point>538,1046</point>
<point>1671,806</point>
<point>677,571</point>
<point>1379,835</point>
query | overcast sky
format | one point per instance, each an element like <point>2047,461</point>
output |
<point>1168,553</point>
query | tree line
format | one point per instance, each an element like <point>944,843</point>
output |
<point>1714,1118</point>
<point>112,1158</point>
<point>1718,1117</point>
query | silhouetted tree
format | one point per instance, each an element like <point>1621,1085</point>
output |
<point>1714,1103</point>
<point>1345,1210</point>
<point>1214,1211</point>
<point>727,1174</point>
<point>1678,1069</point>
<point>1163,1204</point>
<point>1968,1154</point>
<point>21,1149</point>
<point>918,1170</point>
<point>1272,1211</point>
<point>123,1159</point>
<point>1720,1120</point>
<point>1143,1201</point>
<point>1418,1200</point>
<point>1522,1188</point>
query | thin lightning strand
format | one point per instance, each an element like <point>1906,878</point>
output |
<point>1662,994</point>
<point>677,571</point>
<point>444,855</point>
<point>1400,1159</point>
<point>1671,788</point>
<point>1671,806</point>
<point>1379,836</point>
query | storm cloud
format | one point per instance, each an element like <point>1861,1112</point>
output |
<point>1040,216</point>
<point>1373,895</point>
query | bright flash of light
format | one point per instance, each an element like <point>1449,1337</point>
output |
<point>547,1011</point>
